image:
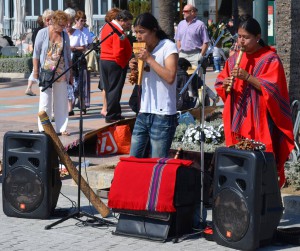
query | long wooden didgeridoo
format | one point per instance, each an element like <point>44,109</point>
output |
<point>66,160</point>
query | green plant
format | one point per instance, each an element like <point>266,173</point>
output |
<point>145,6</point>
<point>216,30</point>
<point>16,64</point>
<point>137,7</point>
<point>292,174</point>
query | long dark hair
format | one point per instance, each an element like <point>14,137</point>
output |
<point>252,26</point>
<point>149,22</point>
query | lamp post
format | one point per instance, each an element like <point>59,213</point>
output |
<point>260,13</point>
<point>235,15</point>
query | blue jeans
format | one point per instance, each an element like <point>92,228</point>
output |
<point>217,63</point>
<point>156,131</point>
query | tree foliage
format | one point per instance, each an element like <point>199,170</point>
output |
<point>137,7</point>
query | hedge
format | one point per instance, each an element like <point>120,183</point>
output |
<point>19,65</point>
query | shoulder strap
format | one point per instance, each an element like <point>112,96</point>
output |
<point>62,51</point>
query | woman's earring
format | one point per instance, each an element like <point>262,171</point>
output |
<point>257,41</point>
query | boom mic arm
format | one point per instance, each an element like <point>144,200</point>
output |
<point>120,35</point>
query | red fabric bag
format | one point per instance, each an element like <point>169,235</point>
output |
<point>116,139</point>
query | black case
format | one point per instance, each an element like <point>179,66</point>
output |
<point>159,226</point>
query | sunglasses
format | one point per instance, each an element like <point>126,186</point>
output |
<point>61,25</point>
<point>186,11</point>
<point>82,20</point>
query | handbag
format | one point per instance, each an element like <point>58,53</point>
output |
<point>46,76</point>
<point>182,96</point>
<point>135,98</point>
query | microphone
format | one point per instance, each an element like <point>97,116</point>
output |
<point>120,35</point>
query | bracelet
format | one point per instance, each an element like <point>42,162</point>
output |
<point>248,77</point>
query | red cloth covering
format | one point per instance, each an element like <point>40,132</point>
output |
<point>145,184</point>
<point>262,116</point>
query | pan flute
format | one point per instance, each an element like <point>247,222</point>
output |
<point>136,48</point>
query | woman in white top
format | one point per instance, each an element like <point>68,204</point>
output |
<point>80,21</point>
<point>77,45</point>
<point>156,121</point>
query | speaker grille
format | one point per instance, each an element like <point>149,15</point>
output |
<point>34,161</point>
<point>241,184</point>
<point>23,189</point>
<point>231,215</point>
<point>12,160</point>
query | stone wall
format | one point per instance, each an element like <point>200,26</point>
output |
<point>288,42</point>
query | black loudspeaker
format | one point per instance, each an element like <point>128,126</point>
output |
<point>31,180</point>
<point>247,205</point>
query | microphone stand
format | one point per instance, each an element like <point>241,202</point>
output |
<point>82,74</point>
<point>202,63</point>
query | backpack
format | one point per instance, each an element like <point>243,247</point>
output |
<point>183,99</point>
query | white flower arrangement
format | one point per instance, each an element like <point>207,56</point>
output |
<point>188,135</point>
<point>212,135</point>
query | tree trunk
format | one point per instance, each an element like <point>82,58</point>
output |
<point>245,7</point>
<point>287,42</point>
<point>167,16</point>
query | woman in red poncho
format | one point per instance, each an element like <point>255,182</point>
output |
<point>255,96</point>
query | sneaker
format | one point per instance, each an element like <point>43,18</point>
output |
<point>217,71</point>
<point>30,93</point>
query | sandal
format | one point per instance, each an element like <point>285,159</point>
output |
<point>65,133</point>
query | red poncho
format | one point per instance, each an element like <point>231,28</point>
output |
<point>262,116</point>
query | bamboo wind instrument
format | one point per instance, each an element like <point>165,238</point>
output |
<point>237,63</point>
<point>136,48</point>
<point>65,158</point>
<point>179,153</point>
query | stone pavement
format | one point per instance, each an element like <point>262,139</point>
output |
<point>19,112</point>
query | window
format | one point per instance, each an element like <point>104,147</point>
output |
<point>100,7</point>
<point>37,8</point>
<point>54,5</point>
<point>122,4</point>
<point>104,7</point>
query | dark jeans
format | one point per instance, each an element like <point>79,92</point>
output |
<point>158,129</point>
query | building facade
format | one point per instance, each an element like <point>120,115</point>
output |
<point>285,20</point>
<point>32,9</point>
